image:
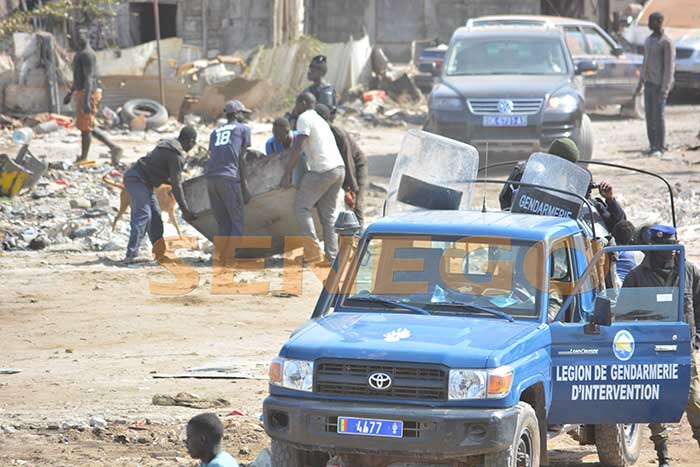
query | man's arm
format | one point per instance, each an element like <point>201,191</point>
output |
<point>669,67</point>
<point>241,170</point>
<point>175,170</point>
<point>88,70</point>
<point>294,156</point>
<point>350,183</point>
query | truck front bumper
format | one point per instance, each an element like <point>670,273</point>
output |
<point>437,433</point>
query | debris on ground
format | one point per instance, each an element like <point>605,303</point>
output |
<point>184,399</point>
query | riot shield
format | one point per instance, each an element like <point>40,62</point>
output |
<point>432,172</point>
<point>553,172</point>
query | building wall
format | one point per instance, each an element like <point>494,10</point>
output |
<point>393,24</point>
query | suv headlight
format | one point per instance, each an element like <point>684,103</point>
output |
<point>563,104</point>
<point>292,374</point>
<point>480,384</point>
<point>447,103</point>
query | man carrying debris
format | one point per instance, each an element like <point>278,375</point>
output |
<point>224,171</point>
<point>162,165</point>
<point>282,137</point>
<point>204,434</point>
<point>657,79</point>
<point>321,185</point>
<point>355,166</point>
<point>86,98</point>
<point>660,269</point>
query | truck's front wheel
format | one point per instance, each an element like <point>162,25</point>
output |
<point>285,455</point>
<point>618,445</point>
<point>525,451</point>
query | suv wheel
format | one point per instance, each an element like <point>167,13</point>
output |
<point>618,445</point>
<point>285,455</point>
<point>525,451</point>
<point>585,139</point>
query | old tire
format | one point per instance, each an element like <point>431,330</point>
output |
<point>618,445</point>
<point>525,451</point>
<point>285,455</point>
<point>634,108</point>
<point>156,115</point>
<point>585,139</point>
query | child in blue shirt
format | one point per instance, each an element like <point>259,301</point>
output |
<point>204,435</point>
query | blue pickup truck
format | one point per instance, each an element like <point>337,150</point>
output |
<point>448,336</point>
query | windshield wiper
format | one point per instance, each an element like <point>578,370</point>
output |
<point>390,303</point>
<point>477,308</point>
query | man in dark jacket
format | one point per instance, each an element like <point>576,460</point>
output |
<point>163,165</point>
<point>355,183</point>
<point>660,269</point>
<point>323,91</point>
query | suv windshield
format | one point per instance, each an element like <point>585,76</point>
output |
<point>507,56</point>
<point>482,276</point>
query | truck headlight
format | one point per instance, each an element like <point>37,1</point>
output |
<point>446,103</point>
<point>564,104</point>
<point>480,384</point>
<point>292,374</point>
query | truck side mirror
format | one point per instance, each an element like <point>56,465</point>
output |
<point>618,51</point>
<point>602,315</point>
<point>347,224</point>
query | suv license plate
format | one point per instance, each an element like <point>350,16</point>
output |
<point>370,427</point>
<point>510,120</point>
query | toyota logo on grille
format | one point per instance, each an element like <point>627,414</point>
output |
<point>505,106</point>
<point>379,381</point>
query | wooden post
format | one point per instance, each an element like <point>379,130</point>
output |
<point>156,15</point>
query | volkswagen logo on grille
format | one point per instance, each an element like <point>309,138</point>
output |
<point>505,106</point>
<point>379,381</point>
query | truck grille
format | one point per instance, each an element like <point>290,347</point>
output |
<point>409,381</point>
<point>491,106</point>
<point>683,53</point>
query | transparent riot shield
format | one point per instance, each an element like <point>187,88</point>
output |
<point>432,172</point>
<point>553,172</point>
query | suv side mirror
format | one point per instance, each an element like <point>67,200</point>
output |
<point>618,50</point>
<point>586,66</point>
<point>602,315</point>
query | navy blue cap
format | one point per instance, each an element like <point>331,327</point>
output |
<point>660,233</point>
<point>235,106</point>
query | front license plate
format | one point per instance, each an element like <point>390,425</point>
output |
<point>509,120</point>
<point>370,427</point>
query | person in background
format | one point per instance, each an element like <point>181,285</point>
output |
<point>355,183</point>
<point>224,171</point>
<point>86,97</point>
<point>607,206</point>
<point>282,137</point>
<point>657,79</point>
<point>320,186</point>
<point>625,261</point>
<point>661,269</point>
<point>162,165</point>
<point>204,435</point>
<point>323,91</point>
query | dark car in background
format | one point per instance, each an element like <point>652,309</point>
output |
<point>429,66</point>
<point>512,90</point>
<point>617,74</point>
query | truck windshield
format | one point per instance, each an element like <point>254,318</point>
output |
<point>507,56</point>
<point>494,277</point>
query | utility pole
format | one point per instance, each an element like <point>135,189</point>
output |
<point>156,15</point>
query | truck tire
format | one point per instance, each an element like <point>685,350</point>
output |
<point>285,455</point>
<point>585,139</point>
<point>618,445</point>
<point>634,108</point>
<point>156,115</point>
<point>525,451</point>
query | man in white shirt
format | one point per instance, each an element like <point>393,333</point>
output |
<point>321,185</point>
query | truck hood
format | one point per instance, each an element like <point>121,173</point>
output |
<point>506,86</point>
<point>454,341</point>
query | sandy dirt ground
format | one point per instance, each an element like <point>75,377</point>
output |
<point>88,335</point>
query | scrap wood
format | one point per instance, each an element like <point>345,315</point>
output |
<point>193,401</point>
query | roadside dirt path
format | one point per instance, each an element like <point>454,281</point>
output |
<point>88,335</point>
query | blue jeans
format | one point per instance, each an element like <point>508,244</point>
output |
<point>226,199</point>
<point>655,108</point>
<point>145,212</point>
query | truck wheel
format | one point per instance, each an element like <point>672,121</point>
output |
<point>634,108</point>
<point>525,451</point>
<point>284,455</point>
<point>585,139</point>
<point>618,445</point>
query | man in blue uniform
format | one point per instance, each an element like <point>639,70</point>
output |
<point>323,92</point>
<point>224,170</point>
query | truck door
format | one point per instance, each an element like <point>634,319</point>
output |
<point>634,370</point>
